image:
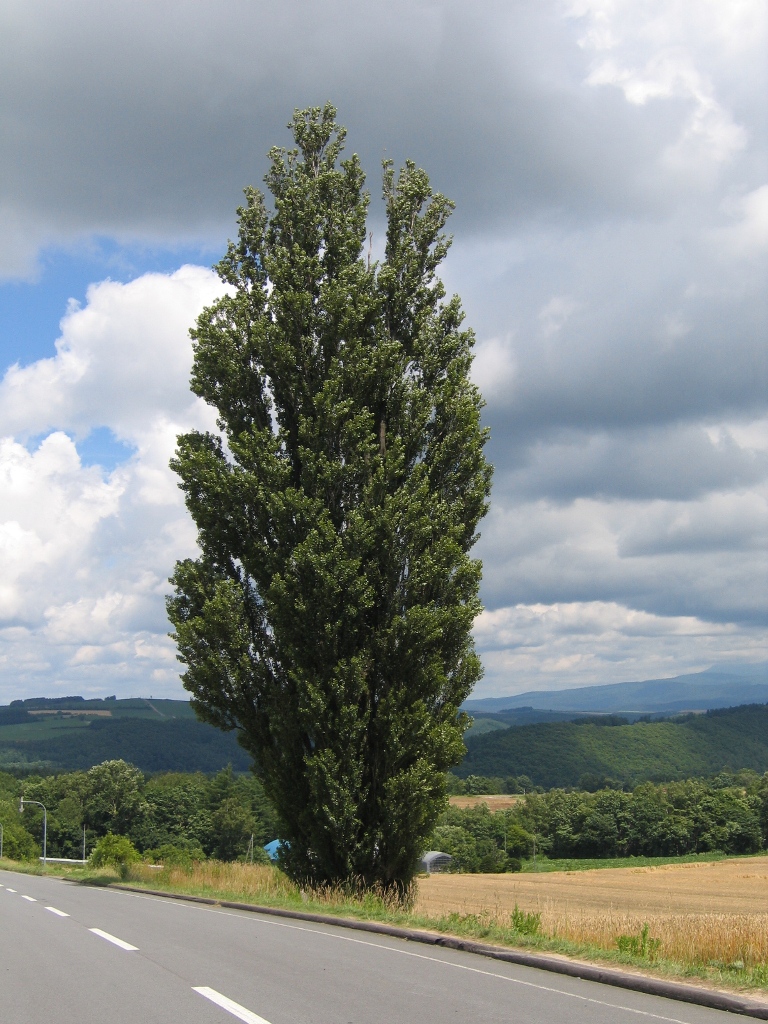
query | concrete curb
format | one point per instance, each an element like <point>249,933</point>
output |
<point>572,968</point>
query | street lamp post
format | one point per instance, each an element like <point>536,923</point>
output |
<point>22,801</point>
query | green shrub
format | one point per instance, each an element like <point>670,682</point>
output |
<point>641,945</point>
<point>114,851</point>
<point>525,924</point>
<point>176,855</point>
<point>18,844</point>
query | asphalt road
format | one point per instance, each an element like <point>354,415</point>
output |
<point>76,955</point>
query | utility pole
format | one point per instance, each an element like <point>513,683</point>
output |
<point>22,801</point>
<point>1,840</point>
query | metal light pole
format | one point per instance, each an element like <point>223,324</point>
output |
<point>22,801</point>
<point>1,841</point>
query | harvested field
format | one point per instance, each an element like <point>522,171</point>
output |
<point>495,801</point>
<point>702,912</point>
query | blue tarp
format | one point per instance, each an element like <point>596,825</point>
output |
<point>273,848</point>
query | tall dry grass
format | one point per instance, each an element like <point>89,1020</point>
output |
<point>261,883</point>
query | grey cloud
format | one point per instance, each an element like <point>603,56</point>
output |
<point>732,524</point>
<point>536,554</point>
<point>662,325</point>
<point>672,463</point>
<point>147,120</point>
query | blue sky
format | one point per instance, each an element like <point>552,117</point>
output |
<point>609,162</point>
<point>32,306</point>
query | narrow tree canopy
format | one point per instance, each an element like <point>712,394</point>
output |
<point>328,618</point>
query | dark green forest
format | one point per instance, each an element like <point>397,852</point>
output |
<point>590,752</point>
<point>594,751</point>
<point>178,813</point>
<point>175,816</point>
<point>727,813</point>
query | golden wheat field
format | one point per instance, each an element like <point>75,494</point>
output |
<point>702,912</point>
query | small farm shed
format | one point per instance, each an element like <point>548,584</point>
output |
<point>434,861</point>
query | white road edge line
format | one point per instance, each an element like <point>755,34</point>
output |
<point>30,898</point>
<point>229,1005</point>
<point>112,938</point>
<point>58,913</point>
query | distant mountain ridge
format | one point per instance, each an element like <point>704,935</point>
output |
<point>697,691</point>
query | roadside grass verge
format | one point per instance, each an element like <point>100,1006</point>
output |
<point>725,950</point>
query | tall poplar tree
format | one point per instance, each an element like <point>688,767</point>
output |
<point>328,618</point>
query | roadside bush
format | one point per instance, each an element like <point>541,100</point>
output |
<point>641,945</point>
<point>171,855</point>
<point>525,924</point>
<point>115,851</point>
<point>18,844</point>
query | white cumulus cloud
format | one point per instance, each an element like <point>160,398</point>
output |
<point>86,550</point>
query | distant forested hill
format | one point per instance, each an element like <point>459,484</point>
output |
<point>565,753</point>
<point>64,734</point>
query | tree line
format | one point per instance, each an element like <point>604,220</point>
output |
<point>163,815</point>
<point>727,813</point>
<point>194,816</point>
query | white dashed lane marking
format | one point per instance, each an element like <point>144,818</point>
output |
<point>58,913</point>
<point>112,938</point>
<point>30,898</point>
<point>230,1005</point>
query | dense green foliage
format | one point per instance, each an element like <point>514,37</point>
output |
<point>198,815</point>
<point>728,813</point>
<point>590,753</point>
<point>158,735</point>
<point>115,851</point>
<point>177,817</point>
<point>328,618</point>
